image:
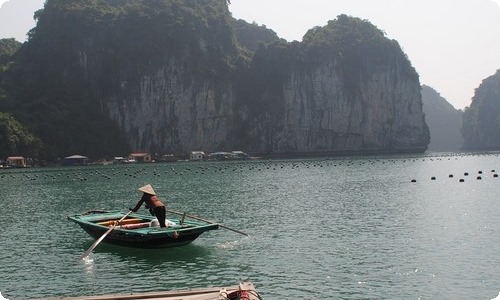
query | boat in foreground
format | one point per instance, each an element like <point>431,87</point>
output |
<point>141,231</point>
<point>244,291</point>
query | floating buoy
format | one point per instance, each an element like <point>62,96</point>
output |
<point>495,175</point>
<point>479,178</point>
<point>461,180</point>
<point>451,175</point>
<point>413,180</point>
<point>433,178</point>
<point>480,172</point>
<point>466,174</point>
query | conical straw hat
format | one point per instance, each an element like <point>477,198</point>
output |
<point>148,189</point>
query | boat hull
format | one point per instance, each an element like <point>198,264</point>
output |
<point>135,231</point>
<point>245,290</point>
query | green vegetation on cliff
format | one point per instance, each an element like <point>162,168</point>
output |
<point>105,77</point>
<point>8,47</point>
<point>358,46</point>
<point>481,121</point>
<point>15,139</point>
<point>251,36</point>
<point>355,47</point>
<point>84,51</point>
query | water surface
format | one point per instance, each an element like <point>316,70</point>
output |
<point>325,228</point>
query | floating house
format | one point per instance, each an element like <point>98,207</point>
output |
<point>75,160</point>
<point>197,155</point>
<point>168,158</point>
<point>16,162</point>
<point>141,157</point>
<point>240,155</point>
<point>233,155</point>
<point>121,160</point>
<point>221,155</point>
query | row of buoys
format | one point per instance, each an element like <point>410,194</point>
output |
<point>479,177</point>
<point>137,171</point>
<point>182,169</point>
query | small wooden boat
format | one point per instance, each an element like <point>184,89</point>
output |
<point>141,231</point>
<point>245,291</point>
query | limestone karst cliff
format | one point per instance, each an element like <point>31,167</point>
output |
<point>169,76</point>
<point>444,121</point>
<point>345,88</point>
<point>481,120</point>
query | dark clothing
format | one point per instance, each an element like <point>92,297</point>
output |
<point>160,213</point>
<point>155,206</point>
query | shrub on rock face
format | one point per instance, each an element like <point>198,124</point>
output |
<point>15,139</point>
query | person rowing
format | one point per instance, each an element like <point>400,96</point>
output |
<point>153,203</point>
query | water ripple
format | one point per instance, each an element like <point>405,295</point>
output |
<point>341,228</point>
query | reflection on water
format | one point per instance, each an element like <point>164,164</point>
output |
<point>337,228</point>
<point>188,253</point>
<point>150,258</point>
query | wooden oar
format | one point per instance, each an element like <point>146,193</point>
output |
<point>89,250</point>
<point>208,221</point>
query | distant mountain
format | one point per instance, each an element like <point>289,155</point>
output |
<point>481,129</point>
<point>16,18</point>
<point>444,121</point>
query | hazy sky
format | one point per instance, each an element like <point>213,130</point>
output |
<point>453,44</point>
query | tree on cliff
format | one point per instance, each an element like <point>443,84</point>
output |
<point>8,47</point>
<point>252,35</point>
<point>481,121</point>
<point>15,139</point>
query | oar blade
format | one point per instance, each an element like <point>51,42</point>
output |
<point>89,250</point>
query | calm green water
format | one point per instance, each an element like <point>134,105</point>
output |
<point>340,228</point>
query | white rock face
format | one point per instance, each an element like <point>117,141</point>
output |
<point>169,114</point>
<point>172,111</point>
<point>384,113</point>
